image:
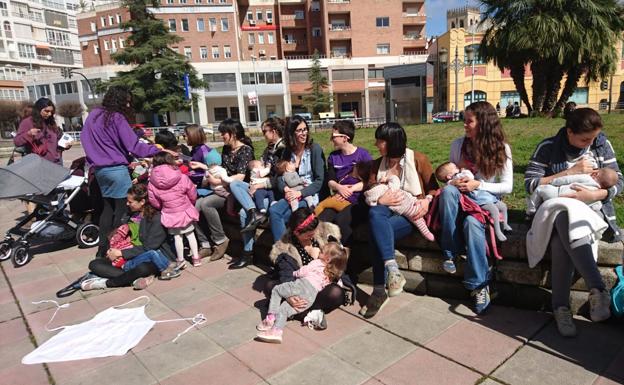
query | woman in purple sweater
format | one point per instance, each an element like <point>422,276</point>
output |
<point>39,132</point>
<point>108,140</point>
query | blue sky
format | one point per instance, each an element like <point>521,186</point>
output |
<point>436,13</point>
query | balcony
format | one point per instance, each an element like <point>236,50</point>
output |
<point>340,54</point>
<point>36,17</point>
<point>338,5</point>
<point>414,18</point>
<point>291,21</point>
<point>294,45</point>
<point>414,41</point>
<point>8,34</point>
<point>340,31</point>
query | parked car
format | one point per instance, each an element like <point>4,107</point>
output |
<point>141,130</point>
<point>443,117</point>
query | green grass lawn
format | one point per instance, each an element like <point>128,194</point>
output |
<point>523,135</point>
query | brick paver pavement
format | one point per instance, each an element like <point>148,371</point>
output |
<point>415,340</point>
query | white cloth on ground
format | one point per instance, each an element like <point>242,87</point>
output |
<point>112,332</point>
<point>583,222</point>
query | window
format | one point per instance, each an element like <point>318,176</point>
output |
<point>509,97</point>
<point>200,25</point>
<point>262,78</point>
<point>579,96</point>
<point>461,25</point>
<point>118,16</point>
<point>271,37</point>
<point>172,25</point>
<point>169,1</point>
<point>299,15</point>
<point>227,51</point>
<point>93,27</point>
<point>259,15</point>
<point>43,90</point>
<point>479,96</point>
<point>383,49</point>
<point>260,38</point>
<point>203,52</point>
<point>382,22</point>
<point>316,32</point>
<point>251,38</point>
<point>302,75</point>
<point>249,15</point>
<point>184,25</point>
<point>221,82</point>
<point>225,24</point>
<point>477,59</point>
<point>121,42</point>
<point>375,73</point>
<point>315,6</point>
<point>65,88</point>
<point>182,1</point>
<point>188,52</point>
<point>234,114</point>
<point>113,46</point>
<point>269,16</point>
<point>220,113</point>
<point>348,74</point>
<point>106,48</point>
<point>253,113</point>
<point>111,20</point>
<point>215,51</point>
<point>96,48</point>
<point>102,21</point>
<point>212,24</point>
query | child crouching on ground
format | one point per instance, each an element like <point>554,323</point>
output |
<point>288,171</point>
<point>312,278</point>
<point>174,194</point>
<point>409,204</point>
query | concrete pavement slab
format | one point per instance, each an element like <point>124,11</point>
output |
<point>25,374</point>
<point>221,369</point>
<point>12,354</point>
<point>235,330</point>
<point>128,371</point>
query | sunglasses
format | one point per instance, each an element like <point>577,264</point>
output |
<point>301,130</point>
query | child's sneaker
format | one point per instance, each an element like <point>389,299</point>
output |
<point>170,272</point>
<point>273,335</point>
<point>315,319</point>
<point>266,324</point>
<point>449,266</point>
<point>181,265</point>
<point>197,262</point>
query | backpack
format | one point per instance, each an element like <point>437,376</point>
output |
<point>617,294</point>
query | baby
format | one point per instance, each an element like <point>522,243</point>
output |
<point>360,173</point>
<point>408,207</point>
<point>602,178</point>
<point>288,171</point>
<point>448,171</point>
<point>311,278</point>
<point>213,161</point>
<point>259,175</point>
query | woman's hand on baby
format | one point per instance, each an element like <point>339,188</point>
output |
<point>422,211</point>
<point>254,187</point>
<point>292,195</point>
<point>298,303</point>
<point>344,191</point>
<point>586,195</point>
<point>113,254</point>
<point>390,198</point>
<point>467,185</point>
<point>194,164</point>
<point>583,166</point>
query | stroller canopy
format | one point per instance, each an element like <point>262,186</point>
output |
<point>31,175</point>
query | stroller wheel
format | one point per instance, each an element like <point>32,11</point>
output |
<point>21,255</point>
<point>87,235</point>
<point>5,250</point>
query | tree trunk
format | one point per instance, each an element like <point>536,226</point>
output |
<point>572,79</point>
<point>554,74</point>
<point>517,74</point>
<point>539,84</point>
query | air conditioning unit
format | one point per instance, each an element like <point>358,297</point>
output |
<point>252,22</point>
<point>262,52</point>
<point>269,20</point>
<point>85,43</point>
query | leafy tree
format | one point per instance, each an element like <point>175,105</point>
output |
<point>318,100</point>
<point>557,38</point>
<point>70,109</point>
<point>9,113</point>
<point>156,80</point>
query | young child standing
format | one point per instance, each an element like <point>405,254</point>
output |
<point>312,278</point>
<point>174,194</point>
<point>409,204</point>
<point>288,171</point>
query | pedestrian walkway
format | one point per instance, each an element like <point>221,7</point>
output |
<point>414,340</point>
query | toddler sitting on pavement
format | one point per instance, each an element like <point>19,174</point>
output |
<point>288,171</point>
<point>602,178</point>
<point>409,204</point>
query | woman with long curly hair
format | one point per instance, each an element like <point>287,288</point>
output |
<point>484,152</point>
<point>39,133</point>
<point>107,139</point>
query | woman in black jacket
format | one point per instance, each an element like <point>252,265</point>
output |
<point>152,237</point>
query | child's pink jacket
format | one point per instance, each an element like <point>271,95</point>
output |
<point>174,195</point>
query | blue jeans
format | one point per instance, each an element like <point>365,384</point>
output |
<point>240,190</point>
<point>263,198</point>
<point>461,233</point>
<point>279,214</point>
<point>385,228</point>
<point>248,237</point>
<point>154,256</point>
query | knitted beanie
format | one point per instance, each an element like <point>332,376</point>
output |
<point>212,157</point>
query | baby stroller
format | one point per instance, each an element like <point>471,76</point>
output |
<point>52,189</point>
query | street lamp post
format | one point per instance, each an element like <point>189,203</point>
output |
<point>456,65</point>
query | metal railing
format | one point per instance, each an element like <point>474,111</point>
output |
<point>339,1</point>
<point>339,27</point>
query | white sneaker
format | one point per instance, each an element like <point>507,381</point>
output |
<point>315,319</point>
<point>599,302</point>
<point>93,284</point>
<point>565,324</point>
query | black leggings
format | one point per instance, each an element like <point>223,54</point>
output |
<point>112,212</point>
<point>328,299</point>
<point>117,277</point>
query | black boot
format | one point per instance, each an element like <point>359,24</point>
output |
<point>243,261</point>
<point>255,219</point>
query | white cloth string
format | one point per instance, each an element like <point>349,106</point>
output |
<point>58,307</point>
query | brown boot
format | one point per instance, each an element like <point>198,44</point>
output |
<point>219,250</point>
<point>205,252</point>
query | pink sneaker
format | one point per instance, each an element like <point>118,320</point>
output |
<point>266,324</point>
<point>273,335</point>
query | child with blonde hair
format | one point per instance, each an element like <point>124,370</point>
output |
<point>174,194</point>
<point>311,278</point>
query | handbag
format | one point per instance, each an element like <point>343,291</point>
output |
<point>617,294</point>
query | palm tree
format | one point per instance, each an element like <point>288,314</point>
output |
<point>557,37</point>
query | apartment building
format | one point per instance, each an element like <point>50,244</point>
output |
<point>37,36</point>
<point>250,50</point>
